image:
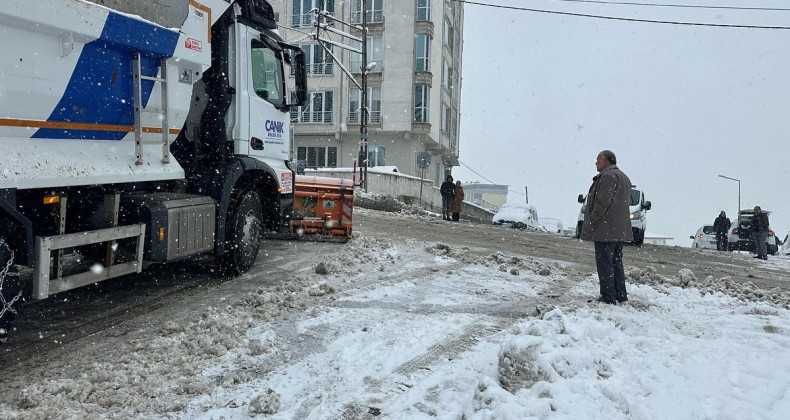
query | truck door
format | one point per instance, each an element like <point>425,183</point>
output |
<point>268,124</point>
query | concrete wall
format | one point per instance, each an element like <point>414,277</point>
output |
<point>406,188</point>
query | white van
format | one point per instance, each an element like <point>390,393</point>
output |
<point>638,208</point>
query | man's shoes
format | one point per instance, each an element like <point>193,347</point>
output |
<point>623,300</point>
<point>602,300</point>
<point>765,258</point>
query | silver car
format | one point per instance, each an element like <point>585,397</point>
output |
<point>705,238</point>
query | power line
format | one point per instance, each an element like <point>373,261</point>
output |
<point>490,181</point>
<point>665,22</point>
<point>685,6</point>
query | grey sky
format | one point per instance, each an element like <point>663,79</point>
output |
<point>543,93</point>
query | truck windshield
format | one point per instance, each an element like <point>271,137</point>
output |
<point>636,196</point>
<point>267,81</point>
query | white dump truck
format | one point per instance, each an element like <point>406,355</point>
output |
<point>139,132</point>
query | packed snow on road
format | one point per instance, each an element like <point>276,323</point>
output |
<point>383,328</point>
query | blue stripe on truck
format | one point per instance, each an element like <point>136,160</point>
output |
<point>100,89</point>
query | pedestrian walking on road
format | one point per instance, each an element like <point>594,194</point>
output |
<point>458,198</point>
<point>447,190</point>
<point>759,230</point>
<point>607,223</point>
<point>721,225</point>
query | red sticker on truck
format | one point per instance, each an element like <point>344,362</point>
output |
<point>194,44</point>
<point>286,182</point>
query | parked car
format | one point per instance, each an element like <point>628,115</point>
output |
<point>705,238</point>
<point>740,235</point>
<point>518,216</point>
<point>784,247</point>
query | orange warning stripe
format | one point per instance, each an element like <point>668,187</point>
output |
<point>206,9</point>
<point>14,122</point>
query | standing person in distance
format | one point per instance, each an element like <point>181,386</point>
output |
<point>447,190</point>
<point>760,233</point>
<point>607,223</point>
<point>458,198</point>
<point>721,225</point>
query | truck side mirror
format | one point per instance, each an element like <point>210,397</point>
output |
<point>299,64</point>
<point>646,206</point>
<point>301,77</point>
<point>580,199</point>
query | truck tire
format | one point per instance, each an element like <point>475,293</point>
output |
<point>579,226</point>
<point>10,289</point>
<point>244,235</point>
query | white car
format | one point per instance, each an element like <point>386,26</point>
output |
<point>705,238</point>
<point>518,216</point>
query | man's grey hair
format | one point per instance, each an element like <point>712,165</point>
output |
<point>609,156</point>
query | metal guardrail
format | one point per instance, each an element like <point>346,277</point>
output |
<point>374,16</point>
<point>374,117</point>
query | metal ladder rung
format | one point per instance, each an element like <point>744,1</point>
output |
<point>138,77</point>
<point>153,79</point>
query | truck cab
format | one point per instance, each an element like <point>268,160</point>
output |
<point>637,207</point>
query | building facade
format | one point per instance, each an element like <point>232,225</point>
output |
<point>487,196</point>
<point>414,83</point>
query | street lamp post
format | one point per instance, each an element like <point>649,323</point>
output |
<point>739,192</point>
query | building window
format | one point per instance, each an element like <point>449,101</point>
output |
<point>317,157</point>
<point>447,76</point>
<point>445,123</point>
<point>374,105</point>
<point>301,15</point>
<point>374,56</point>
<point>374,11</point>
<point>318,109</point>
<point>448,34</point>
<point>423,10</point>
<point>422,96</point>
<point>319,62</point>
<point>422,51</point>
<point>376,156</point>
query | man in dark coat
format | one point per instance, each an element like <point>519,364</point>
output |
<point>759,230</point>
<point>721,225</point>
<point>607,222</point>
<point>447,190</point>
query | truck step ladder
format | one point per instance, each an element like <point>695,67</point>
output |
<point>139,109</point>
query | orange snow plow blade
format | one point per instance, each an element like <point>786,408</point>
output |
<point>323,206</point>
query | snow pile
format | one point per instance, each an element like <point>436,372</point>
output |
<point>387,203</point>
<point>746,291</point>
<point>519,367</point>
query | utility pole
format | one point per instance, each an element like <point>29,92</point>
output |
<point>319,21</point>
<point>363,126</point>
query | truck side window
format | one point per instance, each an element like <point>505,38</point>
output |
<point>267,80</point>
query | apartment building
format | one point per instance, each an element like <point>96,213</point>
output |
<point>414,53</point>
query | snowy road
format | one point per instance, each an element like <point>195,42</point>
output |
<point>414,318</point>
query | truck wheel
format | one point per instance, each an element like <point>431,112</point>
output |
<point>244,234</point>
<point>579,229</point>
<point>10,289</point>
